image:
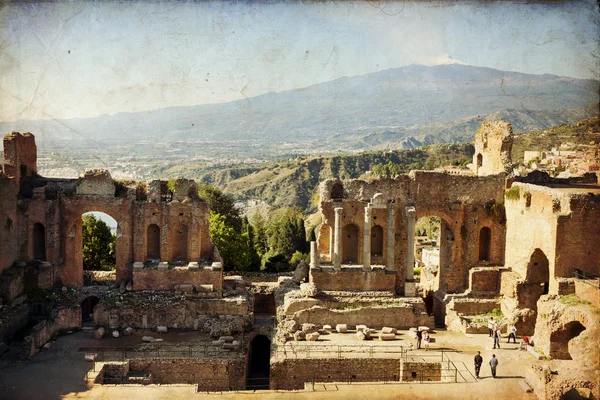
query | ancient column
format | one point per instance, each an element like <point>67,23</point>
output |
<point>390,237</point>
<point>314,255</point>
<point>337,239</point>
<point>367,240</point>
<point>410,243</point>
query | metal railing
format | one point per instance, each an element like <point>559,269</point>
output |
<point>298,350</point>
<point>581,276</point>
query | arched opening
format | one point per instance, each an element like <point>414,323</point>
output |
<point>39,242</point>
<point>377,241</point>
<point>99,241</point>
<point>153,242</point>
<point>259,364</point>
<point>180,243</point>
<point>559,340</point>
<point>427,251</point>
<point>479,161</point>
<point>538,270</point>
<point>87,309</point>
<point>350,244</point>
<point>485,243</point>
<point>337,192</point>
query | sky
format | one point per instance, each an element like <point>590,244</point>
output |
<point>66,60</point>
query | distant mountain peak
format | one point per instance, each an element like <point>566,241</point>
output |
<point>443,59</point>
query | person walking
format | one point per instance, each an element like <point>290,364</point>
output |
<point>478,361</point>
<point>493,365</point>
<point>491,326</point>
<point>426,339</point>
<point>497,335</point>
<point>511,333</point>
<point>419,337</point>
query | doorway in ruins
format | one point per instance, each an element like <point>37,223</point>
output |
<point>259,364</point>
<point>87,310</point>
<point>39,242</point>
<point>264,309</point>
<point>98,247</point>
<point>350,244</point>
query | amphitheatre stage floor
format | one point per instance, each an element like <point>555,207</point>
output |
<point>59,373</point>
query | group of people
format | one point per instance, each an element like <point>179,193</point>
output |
<point>424,337</point>
<point>479,360</point>
<point>496,334</point>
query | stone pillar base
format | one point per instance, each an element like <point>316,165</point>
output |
<point>410,289</point>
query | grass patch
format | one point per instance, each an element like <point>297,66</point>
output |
<point>572,300</point>
<point>513,194</point>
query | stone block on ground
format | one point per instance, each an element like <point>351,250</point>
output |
<point>115,333</point>
<point>161,329</point>
<point>299,335</point>
<point>47,346</point>
<point>99,334</point>
<point>387,329</point>
<point>138,266</point>
<point>231,346</point>
<point>361,335</point>
<point>193,266</point>
<point>91,356</point>
<point>412,332</point>
<point>535,353</point>
<point>163,266</point>
<point>123,287</point>
<point>327,328</point>
<point>217,266</point>
<point>341,328</point>
<point>129,286</point>
<point>226,339</point>
<point>218,342</point>
<point>309,328</point>
<point>525,386</point>
<point>147,339</point>
<point>361,327</point>
<point>312,337</point>
<point>204,288</point>
<point>423,328</point>
<point>387,336</point>
<point>128,331</point>
<point>158,340</point>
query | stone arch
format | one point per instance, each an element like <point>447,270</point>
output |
<point>39,242</point>
<point>350,244</point>
<point>180,243</point>
<point>559,339</point>
<point>258,369</point>
<point>377,241</point>
<point>538,269</point>
<point>337,191</point>
<point>485,244</point>
<point>479,161</point>
<point>153,242</point>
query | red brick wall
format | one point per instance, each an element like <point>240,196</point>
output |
<point>153,279</point>
<point>353,278</point>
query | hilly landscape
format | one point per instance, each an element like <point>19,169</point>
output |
<point>396,108</point>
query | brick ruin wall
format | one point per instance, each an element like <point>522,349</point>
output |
<point>187,314</point>
<point>353,279</point>
<point>293,374</point>
<point>463,203</point>
<point>493,146</point>
<point>484,280</point>
<point>154,279</point>
<point>401,317</point>
<point>64,318</point>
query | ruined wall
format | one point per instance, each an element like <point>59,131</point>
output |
<point>12,284</point>
<point>208,374</point>
<point>293,374</point>
<point>62,319</point>
<point>421,371</point>
<point>9,227</point>
<point>12,319</point>
<point>466,204</point>
<point>353,279</point>
<point>493,146</point>
<point>401,317</point>
<point>484,280</point>
<point>154,279</point>
<point>183,314</point>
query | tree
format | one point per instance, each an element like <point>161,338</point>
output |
<point>287,233</point>
<point>261,238</point>
<point>222,204</point>
<point>232,245</point>
<point>255,261</point>
<point>98,244</point>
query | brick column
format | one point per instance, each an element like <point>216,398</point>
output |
<point>367,240</point>
<point>390,237</point>
<point>410,243</point>
<point>337,238</point>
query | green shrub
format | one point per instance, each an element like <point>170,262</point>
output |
<point>513,194</point>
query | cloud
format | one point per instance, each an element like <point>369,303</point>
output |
<point>443,59</point>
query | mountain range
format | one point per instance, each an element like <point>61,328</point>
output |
<point>395,108</point>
